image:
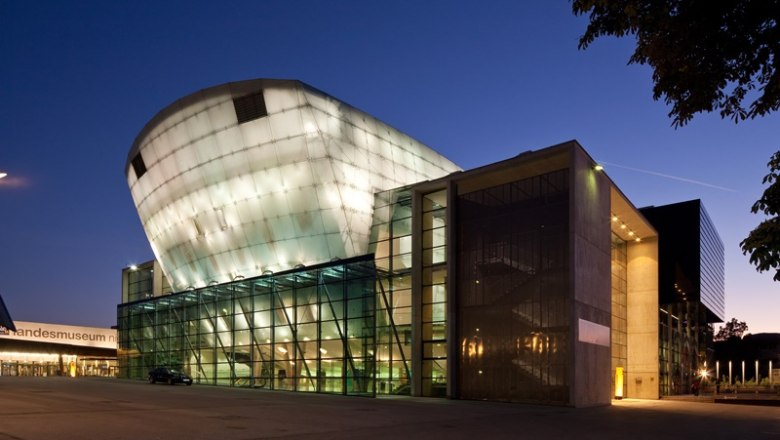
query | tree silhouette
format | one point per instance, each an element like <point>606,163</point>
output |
<point>763,242</point>
<point>707,56</point>
<point>731,330</point>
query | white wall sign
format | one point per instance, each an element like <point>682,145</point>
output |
<point>592,333</point>
<point>62,334</point>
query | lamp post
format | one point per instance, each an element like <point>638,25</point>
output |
<point>743,373</point>
<point>717,371</point>
<point>758,377</point>
<point>729,373</point>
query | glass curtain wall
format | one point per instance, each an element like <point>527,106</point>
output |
<point>684,336</point>
<point>513,287</point>
<point>391,242</point>
<point>309,330</point>
<point>139,284</point>
<point>434,294</point>
<point>619,332</point>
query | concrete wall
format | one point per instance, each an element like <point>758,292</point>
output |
<point>642,368</point>
<point>591,277</point>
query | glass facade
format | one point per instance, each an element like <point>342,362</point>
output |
<point>139,283</point>
<point>308,330</point>
<point>462,286</point>
<point>434,294</point>
<point>619,331</point>
<point>53,364</point>
<point>712,266</point>
<point>262,175</point>
<point>685,340</point>
<point>691,291</point>
<point>513,286</point>
<point>394,247</point>
<point>391,242</point>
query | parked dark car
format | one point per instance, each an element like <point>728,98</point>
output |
<point>169,376</point>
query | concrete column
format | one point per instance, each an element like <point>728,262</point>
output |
<point>642,368</point>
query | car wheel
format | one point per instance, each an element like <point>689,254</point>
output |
<point>151,379</point>
<point>189,384</point>
<point>170,381</point>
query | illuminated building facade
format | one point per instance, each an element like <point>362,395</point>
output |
<point>264,175</point>
<point>41,349</point>
<point>312,248</point>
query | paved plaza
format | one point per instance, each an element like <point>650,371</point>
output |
<point>92,408</point>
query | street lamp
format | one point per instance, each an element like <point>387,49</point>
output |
<point>3,175</point>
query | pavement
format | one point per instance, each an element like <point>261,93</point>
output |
<point>96,408</point>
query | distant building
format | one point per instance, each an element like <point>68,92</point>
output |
<point>691,291</point>
<point>41,349</point>
<point>313,248</point>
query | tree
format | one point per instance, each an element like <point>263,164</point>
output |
<point>763,242</point>
<point>705,55</point>
<point>731,330</point>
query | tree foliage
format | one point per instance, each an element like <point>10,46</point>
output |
<point>732,329</point>
<point>763,242</point>
<point>705,55</point>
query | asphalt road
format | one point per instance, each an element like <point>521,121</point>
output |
<point>92,408</point>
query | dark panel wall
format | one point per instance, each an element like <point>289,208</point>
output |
<point>513,284</point>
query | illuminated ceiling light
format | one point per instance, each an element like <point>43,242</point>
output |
<point>281,349</point>
<point>630,233</point>
<point>133,267</point>
<point>614,218</point>
<point>323,351</point>
<point>623,226</point>
<point>637,239</point>
<point>598,167</point>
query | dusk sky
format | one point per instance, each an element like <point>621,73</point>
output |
<point>478,82</point>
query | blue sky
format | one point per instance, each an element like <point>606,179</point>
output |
<point>477,82</point>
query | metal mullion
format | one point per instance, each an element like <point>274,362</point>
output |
<point>294,332</point>
<point>189,343</point>
<point>218,339</point>
<point>347,357</point>
<point>319,331</point>
<point>214,333</point>
<point>395,330</point>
